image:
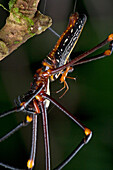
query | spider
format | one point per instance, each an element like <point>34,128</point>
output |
<point>35,101</point>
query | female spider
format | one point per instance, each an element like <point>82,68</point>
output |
<point>56,64</point>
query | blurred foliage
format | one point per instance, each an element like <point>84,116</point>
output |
<point>89,98</point>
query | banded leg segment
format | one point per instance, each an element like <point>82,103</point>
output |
<point>85,140</point>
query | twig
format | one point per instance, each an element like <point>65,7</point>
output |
<point>23,23</point>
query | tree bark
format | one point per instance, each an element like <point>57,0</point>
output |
<point>24,22</point>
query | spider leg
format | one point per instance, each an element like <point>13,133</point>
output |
<point>15,109</point>
<point>75,61</point>
<point>62,80</point>
<point>61,88</point>
<point>46,135</point>
<point>99,56</point>
<point>67,88</point>
<point>22,105</point>
<point>9,167</point>
<point>22,124</point>
<point>74,152</point>
<point>87,131</point>
<point>30,162</point>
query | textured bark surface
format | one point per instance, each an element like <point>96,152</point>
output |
<point>23,23</point>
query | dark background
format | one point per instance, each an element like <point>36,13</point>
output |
<point>90,97</point>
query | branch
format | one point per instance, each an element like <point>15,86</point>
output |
<point>23,23</point>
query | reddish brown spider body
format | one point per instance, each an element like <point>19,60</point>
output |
<point>59,56</point>
<point>36,100</point>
